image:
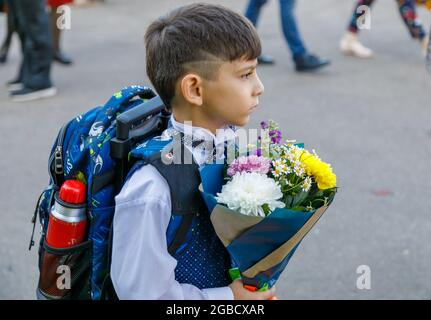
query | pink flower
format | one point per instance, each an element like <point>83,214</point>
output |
<point>251,163</point>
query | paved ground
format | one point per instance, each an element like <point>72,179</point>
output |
<point>370,119</point>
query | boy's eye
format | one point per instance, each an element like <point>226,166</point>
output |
<point>247,75</point>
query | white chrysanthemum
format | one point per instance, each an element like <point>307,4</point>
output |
<point>247,192</point>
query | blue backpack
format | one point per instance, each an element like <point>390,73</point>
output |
<point>95,148</point>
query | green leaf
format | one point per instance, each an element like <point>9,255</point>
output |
<point>266,209</point>
<point>288,201</point>
<point>299,198</point>
<point>319,193</point>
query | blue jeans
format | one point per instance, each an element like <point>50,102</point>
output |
<point>288,23</point>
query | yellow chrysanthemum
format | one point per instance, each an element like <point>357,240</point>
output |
<point>319,170</point>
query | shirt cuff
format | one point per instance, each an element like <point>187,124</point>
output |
<point>222,293</point>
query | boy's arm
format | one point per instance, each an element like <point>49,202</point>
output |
<point>141,266</point>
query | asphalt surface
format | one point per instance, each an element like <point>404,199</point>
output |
<point>369,118</point>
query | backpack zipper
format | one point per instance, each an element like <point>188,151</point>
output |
<point>58,160</point>
<point>57,156</point>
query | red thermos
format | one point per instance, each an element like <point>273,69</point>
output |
<point>68,219</point>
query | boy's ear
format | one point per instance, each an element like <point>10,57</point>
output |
<point>191,88</point>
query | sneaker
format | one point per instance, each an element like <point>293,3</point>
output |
<point>28,94</point>
<point>14,85</point>
<point>350,45</point>
<point>309,62</point>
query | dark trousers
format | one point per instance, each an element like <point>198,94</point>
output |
<point>34,32</point>
<point>288,23</point>
<point>11,28</point>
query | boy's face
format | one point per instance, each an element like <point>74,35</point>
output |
<point>233,95</point>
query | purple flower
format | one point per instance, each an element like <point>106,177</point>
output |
<point>259,152</point>
<point>264,125</point>
<point>253,163</point>
<point>275,136</point>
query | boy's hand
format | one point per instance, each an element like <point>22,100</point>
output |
<point>241,293</point>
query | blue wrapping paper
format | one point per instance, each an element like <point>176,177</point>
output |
<point>274,238</point>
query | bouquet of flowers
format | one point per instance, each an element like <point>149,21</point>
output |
<point>264,203</point>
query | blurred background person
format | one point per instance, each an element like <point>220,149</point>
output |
<point>33,80</point>
<point>58,54</point>
<point>303,60</point>
<point>10,29</point>
<point>350,44</point>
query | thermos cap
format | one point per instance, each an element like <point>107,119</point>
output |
<point>73,191</point>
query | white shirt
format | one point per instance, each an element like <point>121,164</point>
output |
<point>141,266</point>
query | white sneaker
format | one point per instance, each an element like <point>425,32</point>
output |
<point>28,94</point>
<point>350,45</point>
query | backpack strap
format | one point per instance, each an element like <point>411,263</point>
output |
<point>183,181</point>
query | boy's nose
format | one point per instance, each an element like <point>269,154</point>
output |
<point>259,87</point>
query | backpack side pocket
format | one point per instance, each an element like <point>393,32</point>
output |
<point>65,273</point>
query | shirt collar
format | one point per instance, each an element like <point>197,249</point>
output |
<point>201,155</point>
<point>226,133</point>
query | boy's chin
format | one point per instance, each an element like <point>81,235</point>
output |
<point>241,122</point>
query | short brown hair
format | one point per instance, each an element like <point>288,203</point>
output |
<point>193,37</point>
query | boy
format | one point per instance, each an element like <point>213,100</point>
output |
<point>202,61</point>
